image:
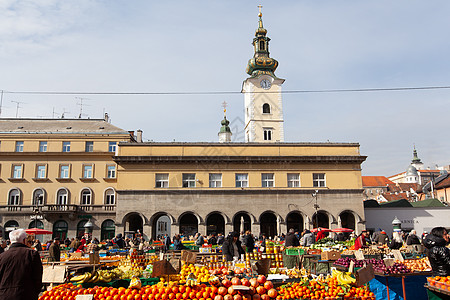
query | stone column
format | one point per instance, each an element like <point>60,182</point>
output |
<point>174,229</point>
<point>147,232</point>
<point>256,229</point>
<point>283,228</point>
<point>228,228</point>
<point>202,228</point>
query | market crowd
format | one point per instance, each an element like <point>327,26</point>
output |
<point>21,267</point>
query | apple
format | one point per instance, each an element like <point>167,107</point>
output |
<point>218,297</point>
<point>235,281</point>
<point>227,297</point>
<point>254,282</point>
<point>261,279</point>
<point>268,285</point>
<point>265,297</point>
<point>256,297</point>
<point>231,290</point>
<point>226,283</point>
<point>245,282</point>
<point>260,290</point>
<point>222,291</point>
<point>237,297</point>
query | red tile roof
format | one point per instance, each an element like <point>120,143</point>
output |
<point>443,184</point>
<point>372,181</point>
<point>408,186</point>
<point>394,197</point>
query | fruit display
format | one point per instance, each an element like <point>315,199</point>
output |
<point>330,243</point>
<point>418,265</point>
<point>323,288</point>
<point>440,282</point>
<point>378,265</point>
<point>368,251</point>
<point>96,276</point>
<point>254,289</point>
<point>344,278</point>
<point>200,274</point>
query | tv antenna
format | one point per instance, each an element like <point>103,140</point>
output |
<point>80,103</point>
<point>17,106</point>
<point>64,111</point>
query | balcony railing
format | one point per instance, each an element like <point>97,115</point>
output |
<point>57,208</point>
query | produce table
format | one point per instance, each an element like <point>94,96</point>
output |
<point>315,263</point>
<point>435,293</point>
<point>394,286</point>
<point>120,283</point>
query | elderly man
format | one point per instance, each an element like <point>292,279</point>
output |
<point>20,270</point>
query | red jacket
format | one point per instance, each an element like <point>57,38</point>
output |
<point>360,242</point>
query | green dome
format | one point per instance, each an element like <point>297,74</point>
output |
<point>225,124</point>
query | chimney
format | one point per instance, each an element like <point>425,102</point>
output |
<point>139,136</point>
<point>106,118</point>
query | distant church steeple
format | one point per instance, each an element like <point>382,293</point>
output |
<point>416,162</point>
<point>225,131</point>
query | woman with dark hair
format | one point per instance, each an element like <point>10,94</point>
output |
<point>232,247</point>
<point>438,254</point>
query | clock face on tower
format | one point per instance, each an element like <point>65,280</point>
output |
<point>265,84</point>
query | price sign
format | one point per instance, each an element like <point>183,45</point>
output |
<point>397,255</point>
<point>359,255</point>
<point>84,297</point>
<point>351,267</point>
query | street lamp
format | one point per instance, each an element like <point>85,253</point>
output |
<point>316,207</point>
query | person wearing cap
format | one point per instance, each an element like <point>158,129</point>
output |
<point>232,247</point>
<point>20,270</point>
<point>54,251</point>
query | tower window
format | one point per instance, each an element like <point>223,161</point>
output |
<point>261,45</point>
<point>266,108</point>
<point>267,134</point>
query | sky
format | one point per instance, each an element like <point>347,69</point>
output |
<point>79,47</point>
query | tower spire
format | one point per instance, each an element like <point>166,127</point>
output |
<point>261,63</point>
<point>225,131</point>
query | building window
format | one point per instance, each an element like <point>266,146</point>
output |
<point>215,180</point>
<point>110,197</point>
<point>86,196</point>
<point>14,197</point>
<point>64,171</point>
<point>267,180</point>
<point>62,197</point>
<point>162,180</point>
<point>162,226</point>
<point>266,108</point>
<point>241,180</point>
<point>89,147</point>
<point>42,146</point>
<point>19,146</point>
<point>293,179</point>
<point>111,171</point>
<point>189,180</point>
<point>112,146</point>
<point>66,147</point>
<point>319,180</point>
<point>261,45</point>
<point>88,171</point>
<point>41,171</point>
<point>17,171</point>
<point>267,134</point>
<point>38,197</point>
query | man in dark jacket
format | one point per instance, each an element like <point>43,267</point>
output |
<point>249,241</point>
<point>118,240</point>
<point>412,238</point>
<point>220,239</point>
<point>291,239</point>
<point>53,251</point>
<point>232,247</point>
<point>438,254</point>
<point>20,270</point>
<point>382,238</point>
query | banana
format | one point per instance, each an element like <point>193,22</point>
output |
<point>94,277</point>
<point>78,278</point>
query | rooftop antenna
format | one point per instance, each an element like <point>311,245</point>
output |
<point>64,111</point>
<point>80,103</point>
<point>17,106</point>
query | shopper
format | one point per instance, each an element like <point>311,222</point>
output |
<point>220,239</point>
<point>232,247</point>
<point>291,239</point>
<point>118,240</point>
<point>249,241</point>
<point>54,251</point>
<point>2,245</point>
<point>412,238</point>
<point>212,240</point>
<point>382,238</point>
<point>396,242</point>
<point>177,244</point>
<point>20,270</point>
<point>438,253</point>
<point>308,238</point>
<point>360,241</point>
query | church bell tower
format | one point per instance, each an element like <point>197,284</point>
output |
<point>262,93</point>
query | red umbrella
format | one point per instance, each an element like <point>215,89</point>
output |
<point>342,230</point>
<point>37,231</point>
<point>321,229</point>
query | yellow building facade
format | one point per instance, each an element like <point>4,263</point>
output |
<point>223,187</point>
<point>57,174</point>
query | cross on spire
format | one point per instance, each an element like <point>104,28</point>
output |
<point>224,105</point>
<point>260,6</point>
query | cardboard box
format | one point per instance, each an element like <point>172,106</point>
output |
<point>330,255</point>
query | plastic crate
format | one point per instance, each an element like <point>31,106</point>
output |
<point>294,251</point>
